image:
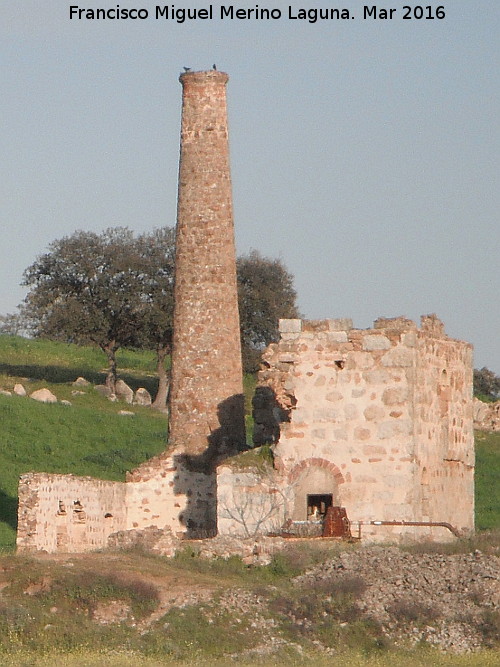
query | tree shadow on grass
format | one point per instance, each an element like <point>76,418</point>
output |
<point>8,509</point>
<point>53,374</point>
<point>63,375</point>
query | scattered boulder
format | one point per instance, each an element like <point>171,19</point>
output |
<point>81,382</point>
<point>4,392</point>
<point>64,402</point>
<point>123,391</point>
<point>126,413</point>
<point>104,390</point>
<point>142,397</point>
<point>44,396</point>
<point>76,392</point>
<point>19,390</point>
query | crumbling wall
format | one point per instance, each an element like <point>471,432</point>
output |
<point>65,513</point>
<point>68,514</point>
<point>387,411</point>
<point>167,492</point>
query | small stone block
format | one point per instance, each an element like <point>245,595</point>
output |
<point>376,342</point>
<point>337,337</point>
<point>340,324</point>
<point>290,326</point>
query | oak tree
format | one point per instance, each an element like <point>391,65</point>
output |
<point>486,384</point>
<point>265,294</point>
<point>88,289</point>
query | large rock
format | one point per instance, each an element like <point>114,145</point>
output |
<point>19,390</point>
<point>43,396</point>
<point>103,390</point>
<point>124,392</point>
<point>81,382</point>
<point>142,397</point>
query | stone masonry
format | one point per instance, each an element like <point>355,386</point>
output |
<point>378,421</point>
<point>206,392</point>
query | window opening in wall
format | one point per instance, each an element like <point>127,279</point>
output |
<point>317,505</point>
<point>340,363</point>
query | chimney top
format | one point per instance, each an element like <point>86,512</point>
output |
<point>202,76</point>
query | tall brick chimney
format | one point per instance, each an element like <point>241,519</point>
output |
<point>206,392</point>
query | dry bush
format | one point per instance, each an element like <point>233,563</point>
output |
<point>413,611</point>
<point>489,627</point>
<point>345,586</point>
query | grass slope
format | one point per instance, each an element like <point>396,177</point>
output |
<point>56,363</point>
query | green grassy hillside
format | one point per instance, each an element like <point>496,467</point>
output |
<point>90,438</point>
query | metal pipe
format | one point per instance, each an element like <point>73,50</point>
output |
<point>432,524</point>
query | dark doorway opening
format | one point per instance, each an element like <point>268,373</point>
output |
<point>318,504</point>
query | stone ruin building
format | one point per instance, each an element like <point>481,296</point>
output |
<point>377,422</point>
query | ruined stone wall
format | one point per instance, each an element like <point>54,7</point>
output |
<point>444,426</point>
<point>68,514</point>
<point>165,492</point>
<point>372,422</point>
<point>65,513</point>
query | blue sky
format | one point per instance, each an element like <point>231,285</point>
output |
<point>364,152</point>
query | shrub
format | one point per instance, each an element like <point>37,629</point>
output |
<point>347,586</point>
<point>489,626</point>
<point>412,611</point>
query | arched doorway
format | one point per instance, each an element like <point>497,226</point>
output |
<point>315,484</point>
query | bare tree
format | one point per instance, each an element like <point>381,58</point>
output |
<point>259,507</point>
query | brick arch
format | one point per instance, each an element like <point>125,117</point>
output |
<point>297,470</point>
